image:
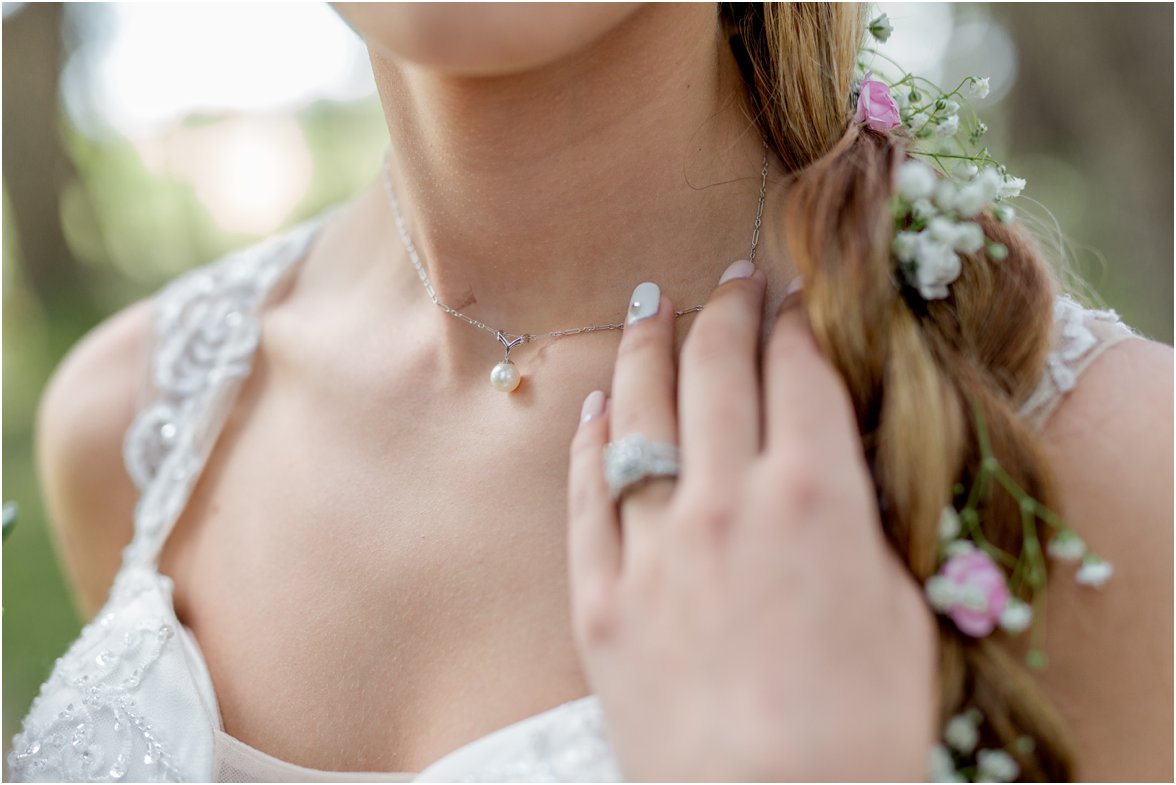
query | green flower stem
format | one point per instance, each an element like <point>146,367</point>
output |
<point>1049,516</point>
<point>1030,569</point>
<point>1035,658</point>
<point>1039,510</point>
<point>905,73</point>
<point>936,156</point>
<point>970,517</point>
<point>971,528</point>
<point>980,158</point>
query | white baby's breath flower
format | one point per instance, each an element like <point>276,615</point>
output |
<point>945,195</point>
<point>1094,571</point>
<point>1066,546</point>
<point>1016,617</point>
<point>941,592</point>
<point>923,209</point>
<point>990,182</point>
<point>949,126</point>
<point>972,198</point>
<point>949,524</point>
<point>976,88</point>
<point>945,145</point>
<point>937,266</point>
<point>1003,213</point>
<point>969,237</point>
<point>972,597</point>
<point>942,230</point>
<point>942,767</point>
<point>962,733</point>
<point>881,28</point>
<point>996,766</point>
<point>903,246</point>
<point>965,169</point>
<point>914,180</point>
<point>918,121</point>
<point>1012,187</point>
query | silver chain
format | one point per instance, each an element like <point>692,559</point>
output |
<point>513,339</point>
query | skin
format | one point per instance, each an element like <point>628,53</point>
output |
<point>727,600</point>
<point>374,559</point>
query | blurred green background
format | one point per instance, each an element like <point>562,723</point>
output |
<point>141,140</point>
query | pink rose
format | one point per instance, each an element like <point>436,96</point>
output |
<point>981,593</point>
<point>875,107</point>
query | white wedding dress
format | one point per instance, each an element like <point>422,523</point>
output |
<point>132,699</point>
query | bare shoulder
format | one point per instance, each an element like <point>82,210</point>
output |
<point>84,412</point>
<point>1110,649</point>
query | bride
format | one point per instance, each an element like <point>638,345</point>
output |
<point>350,550</point>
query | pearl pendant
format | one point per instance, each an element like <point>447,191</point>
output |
<point>505,377</point>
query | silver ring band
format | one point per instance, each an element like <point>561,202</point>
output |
<point>634,458</point>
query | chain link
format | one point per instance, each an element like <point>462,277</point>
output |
<point>410,247</point>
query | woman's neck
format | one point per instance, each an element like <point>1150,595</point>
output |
<point>538,200</point>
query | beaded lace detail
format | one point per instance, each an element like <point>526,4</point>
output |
<point>1080,336</point>
<point>101,733</point>
<point>206,334</point>
<point>131,698</point>
<point>94,738</point>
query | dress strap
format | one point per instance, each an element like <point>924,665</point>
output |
<point>1080,335</point>
<point>205,330</point>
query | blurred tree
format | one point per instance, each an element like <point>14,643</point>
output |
<point>36,166</point>
<point>1081,93</point>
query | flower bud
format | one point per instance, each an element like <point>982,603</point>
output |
<point>881,28</point>
<point>976,88</point>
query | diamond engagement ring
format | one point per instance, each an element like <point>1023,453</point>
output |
<point>634,458</point>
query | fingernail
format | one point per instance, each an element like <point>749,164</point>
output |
<point>644,302</point>
<point>740,269</point>
<point>794,286</point>
<point>593,406</point>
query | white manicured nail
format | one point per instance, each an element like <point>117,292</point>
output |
<point>644,302</point>
<point>593,406</point>
<point>740,269</point>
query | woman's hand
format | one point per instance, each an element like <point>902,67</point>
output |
<point>748,620</point>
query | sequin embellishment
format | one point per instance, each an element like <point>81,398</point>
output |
<point>94,737</point>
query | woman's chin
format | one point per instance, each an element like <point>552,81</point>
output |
<point>481,39</point>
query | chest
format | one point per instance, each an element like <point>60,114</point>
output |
<point>373,584</point>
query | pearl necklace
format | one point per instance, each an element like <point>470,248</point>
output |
<point>505,376</point>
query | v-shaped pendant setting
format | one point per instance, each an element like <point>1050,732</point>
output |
<point>506,376</point>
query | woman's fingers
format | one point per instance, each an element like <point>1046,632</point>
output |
<point>810,418</point>
<point>643,390</point>
<point>719,389</point>
<point>594,541</point>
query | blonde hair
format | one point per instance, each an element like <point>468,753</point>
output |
<point>918,372</point>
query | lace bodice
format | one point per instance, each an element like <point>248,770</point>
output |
<point>1080,336</point>
<point>132,698</point>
